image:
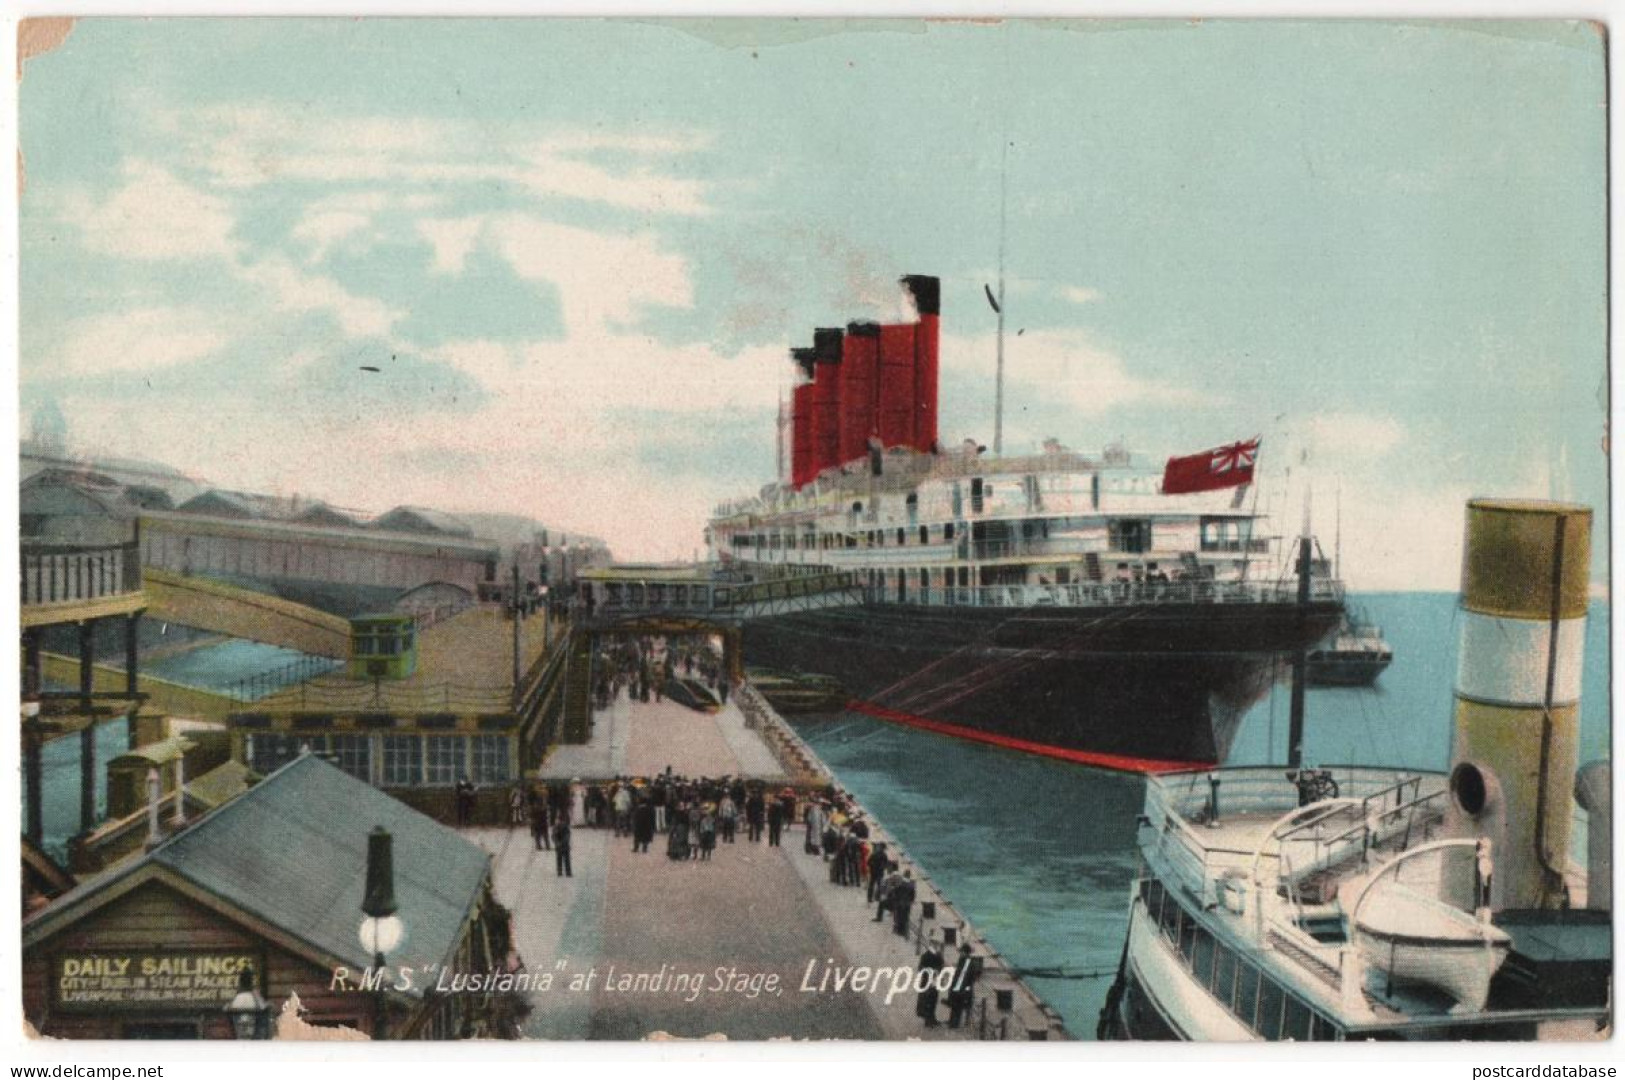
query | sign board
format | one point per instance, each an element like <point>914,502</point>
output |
<point>150,978</point>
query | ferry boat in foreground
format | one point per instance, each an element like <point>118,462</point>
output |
<point>1096,607</point>
<point>1382,903</point>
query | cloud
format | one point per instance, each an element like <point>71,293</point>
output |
<point>153,215</point>
<point>291,290</point>
<point>1065,367</point>
<point>144,339</point>
<point>1080,294</point>
<point>602,278</point>
<point>248,146</point>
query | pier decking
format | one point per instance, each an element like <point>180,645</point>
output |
<point>754,908</point>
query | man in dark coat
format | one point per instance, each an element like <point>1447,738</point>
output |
<point>755,810</point>
<point>775,822</point>
<point>643,826</point>
<point>925,1001</point>
<point>877,871</point>
<point>538,822</point>
<point>961,993</point>
<point>901,900</point>
<point>561,845</point>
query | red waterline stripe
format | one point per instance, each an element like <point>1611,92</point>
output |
<point>1116,762</point>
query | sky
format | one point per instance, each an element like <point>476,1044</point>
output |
<point>578,252</point>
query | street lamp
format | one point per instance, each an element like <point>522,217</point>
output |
<point>381,929</point>
<point>249,1013</point>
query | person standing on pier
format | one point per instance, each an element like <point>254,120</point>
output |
<point>708,834</point>
<point>623,808</point>
<point>877,872</point>
<point>464,795</point>
<point>727,817</point>
<point>814,822</point>
<point>561,847</point>
<point>538,822</point>
<point>643,826</point>
<point>902,901</point>
<point>516,806</point>
<point>775,823</point>
<point>925,1001</point>
<point>755,810</point>
<point>962,994</point>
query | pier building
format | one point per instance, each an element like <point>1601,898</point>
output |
<point>269,888</point>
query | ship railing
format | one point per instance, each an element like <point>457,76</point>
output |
<point>1391,804</point>
<point>1112,594</point>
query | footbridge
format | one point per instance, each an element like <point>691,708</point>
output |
<point>631,596</point>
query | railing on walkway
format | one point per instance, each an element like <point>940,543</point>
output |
<point>57,573</point>
<point>265,683</point>
<point>1111,594</point>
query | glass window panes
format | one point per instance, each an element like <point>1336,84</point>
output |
<point>445,759</point>
<point>1170,919</point>
<point>1224,975</point>
<point>353,754</point>
<point>403,760</point>
<point>491,759</point>
<point>1187,937</point>
<point>1246,992</point>
<point>1202,958</point>
<point>1296,1026</point>
<point>268,752</point>
<point>1270,1003</point>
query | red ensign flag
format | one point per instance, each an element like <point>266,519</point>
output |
<point>1211,470</point>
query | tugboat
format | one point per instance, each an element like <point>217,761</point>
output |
<point>1365,902</point>
<point>1352,655</point>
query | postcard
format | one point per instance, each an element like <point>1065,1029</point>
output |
<point>923,530</point>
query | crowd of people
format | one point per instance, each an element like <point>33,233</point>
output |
<point>642,666</point>
<point>695,815</point>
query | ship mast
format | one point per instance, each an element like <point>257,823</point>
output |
<point>998,306</point>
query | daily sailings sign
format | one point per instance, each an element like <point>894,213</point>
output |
<point>142,979</point>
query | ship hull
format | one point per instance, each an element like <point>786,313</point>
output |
<point>1332,669</point>
<point>1133,685</point>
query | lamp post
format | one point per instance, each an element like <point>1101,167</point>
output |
<point>381,929</point>
<point>249,1013</point>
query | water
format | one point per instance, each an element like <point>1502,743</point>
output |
<point>1039,855</point>
<point>246,670</point>
<point>59,787</point>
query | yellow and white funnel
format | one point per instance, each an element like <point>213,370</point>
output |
<point>1523,598</point>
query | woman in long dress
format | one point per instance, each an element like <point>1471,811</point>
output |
<point>677,841</point>
<point>578,803</point>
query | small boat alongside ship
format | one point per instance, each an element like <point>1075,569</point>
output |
<point>1371,902</point>
<point>1352,655</point>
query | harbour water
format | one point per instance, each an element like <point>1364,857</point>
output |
<point>1039,854</point>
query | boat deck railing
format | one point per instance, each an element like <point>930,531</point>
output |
<point>1091,594</point>
<point>1364,810</point>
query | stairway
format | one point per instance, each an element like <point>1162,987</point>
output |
<point>576,722</point>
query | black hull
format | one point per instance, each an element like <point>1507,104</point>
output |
<point>1345,670</point>
<point>1165,682</point>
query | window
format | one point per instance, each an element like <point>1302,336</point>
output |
<point>491,759</point>
<point>403,760</point>
<point>1224,976</point>
<point>353,754</point>
<point>1202,958</point>
<point>1187,937</point>
<point>900,540</point>
<point>1129,534</point>
<point>925,534</point>
<point>1246,992</point>
<point>1170,920</point>
<point>1270,1003</point>
<point>975,496</point>
<point>445,759</point>
<point>948,531</point>
<point>1298,1016</point>
<point>267,753</point>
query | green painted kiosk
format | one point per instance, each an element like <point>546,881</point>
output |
<point>383,646</point>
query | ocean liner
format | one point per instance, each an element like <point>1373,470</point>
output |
<point>1093,607</point>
